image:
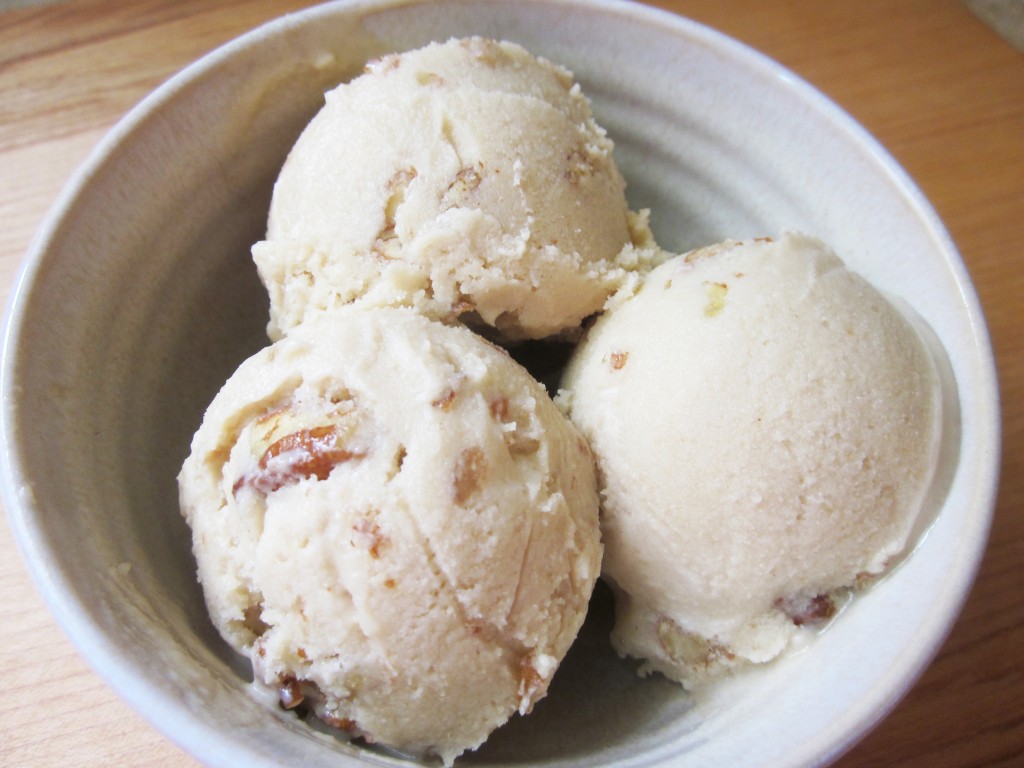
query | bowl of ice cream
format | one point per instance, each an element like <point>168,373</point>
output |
<point>154,282</point>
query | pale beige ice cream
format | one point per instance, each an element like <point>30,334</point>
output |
<point>766,425</point>
<point>395,523</point>
<point>467,179</point>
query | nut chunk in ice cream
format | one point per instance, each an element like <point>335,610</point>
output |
<point>466,179</point>
<point>397,526</point>
<point>766,425</point>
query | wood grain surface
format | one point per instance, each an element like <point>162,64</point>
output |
<point>941,90</point>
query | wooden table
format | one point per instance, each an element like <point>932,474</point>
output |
<point>940,89</point>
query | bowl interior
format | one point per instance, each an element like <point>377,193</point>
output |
<point>140,299</point>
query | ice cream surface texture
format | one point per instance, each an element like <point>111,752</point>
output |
<point>467,179</point>
<point>397,526</point>
<point>766,425</point>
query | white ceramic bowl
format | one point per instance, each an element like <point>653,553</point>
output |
<point>139,299</point>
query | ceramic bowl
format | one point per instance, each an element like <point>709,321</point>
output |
<point>139,299</point>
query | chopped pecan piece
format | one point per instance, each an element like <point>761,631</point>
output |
<point>307,453</point>
<point>368,536</point>
<point>579,165</point>
<point>533,681</point>
<point>467,479</point>
<point>530,682</point>
<point>290,693</point>
<point>689,648</point>
<point>465,181</point>
<point>341,723</point>
<point>802,610</point>
<point>499,409</point>
<point>460,308</point>
<point>520,444</point>
<point>445,399</point>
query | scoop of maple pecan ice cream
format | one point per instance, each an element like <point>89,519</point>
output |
<point>467,179</point>
<point>766,426</point>
<point>397,526</point>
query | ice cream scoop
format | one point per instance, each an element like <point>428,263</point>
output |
<point>766,425</point>
<point>467,179</point>
<point>396,525</point>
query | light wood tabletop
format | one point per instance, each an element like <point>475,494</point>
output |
<point>937,86</point>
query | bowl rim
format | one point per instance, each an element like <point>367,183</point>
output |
<point>194,734</point>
